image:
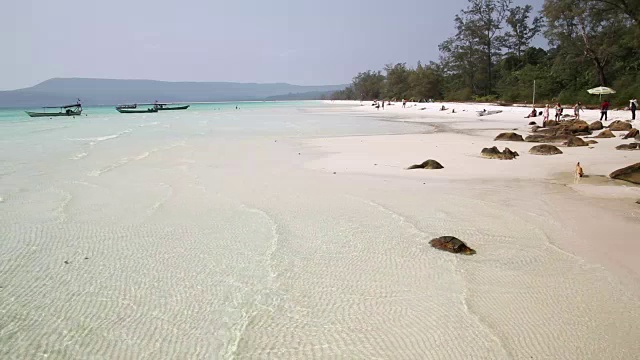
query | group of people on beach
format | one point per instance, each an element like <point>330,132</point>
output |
<point>604,109</point>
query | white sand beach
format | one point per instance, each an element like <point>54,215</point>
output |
<point>294,231</point>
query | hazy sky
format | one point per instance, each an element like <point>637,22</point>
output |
<point>296,41</point>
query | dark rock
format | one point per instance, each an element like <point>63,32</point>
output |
<point>632,146</point>
<point>638,202</point>
<point>596,125</point>
<point>451,244</point>
<point>575,141</point>
<point>535,138</point>
<point>494,153</point>
<point>591,142</point>
<point>429,164</point>
<point>577,126</point>
<point>534,128</point>
<point>545,149</point>
<point>334,173</point>
<point>632,133</point>
<point>533,123</point>
<point>508,136</point>
<point>550,123</point>
<point>67,262</point>
<point>605,134</point>
<point>619,126</point>
<point>630,173</point>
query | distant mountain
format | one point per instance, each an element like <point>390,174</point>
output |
<point>60,91</point>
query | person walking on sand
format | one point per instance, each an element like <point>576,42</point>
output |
<point>633,105</point>
<point>604,107</point>
<point>576,110</point>
<point>545,114</point>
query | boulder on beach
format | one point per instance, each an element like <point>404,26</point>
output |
<point>591,142</point>
<point>619,125</point>
<point>535,138</point>
<point>494,153</point>
<point>508,136</point>
<point>632,146</point>
<point>577,126</point>
<point>632,134</point>
<point>429,164</point>
<point>630,173</point>
<point>575,141</point>
<point>545,149</point>
<point>533,123</point>
<point>549,123</point>
<point>451,244</point>
<point>596,125</point>
<point>606,133</point>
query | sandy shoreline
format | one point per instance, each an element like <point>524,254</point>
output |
<point>456,143</point>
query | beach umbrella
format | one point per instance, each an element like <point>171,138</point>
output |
<point>601,90</point>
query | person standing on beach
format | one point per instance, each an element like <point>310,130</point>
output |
<point>558,111</point>
<point>382,104</point>
<point>604,107</point>
<point>576,110</point>
<point>633,105</point>
<point>545,114</point>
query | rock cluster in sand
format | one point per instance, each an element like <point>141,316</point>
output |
<point>619,125</point>
<point>494,153</point>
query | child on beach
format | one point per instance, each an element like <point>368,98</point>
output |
<point>576,110</point>
<point>545,113</point>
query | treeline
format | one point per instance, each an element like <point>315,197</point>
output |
<point>490,58</point>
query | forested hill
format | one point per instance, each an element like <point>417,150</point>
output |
<point>108,92</point>
<point>591,43</point>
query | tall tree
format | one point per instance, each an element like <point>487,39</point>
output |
<point>581,25</point>
<point>397,85</point>
<point>520,32</point>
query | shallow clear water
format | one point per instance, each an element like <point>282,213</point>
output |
<point>200,234</point>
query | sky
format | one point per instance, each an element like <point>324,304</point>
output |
<point>300,42</point>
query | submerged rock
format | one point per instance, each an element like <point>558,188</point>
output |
<point>596,125</point>
<point>575,141</point>
<point>451,244</point>
<point>508,136</point>
<point>632,133</point>
<point>632,146</point>
<point>494,153</point>
<point>630,173</point>
<point>605,134</point>
<point>429,164</point>
<point>545,149</point>
<point>619,126</point>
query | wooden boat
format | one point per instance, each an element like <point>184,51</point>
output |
<point>136,111</point>
<point>163,107</point>
<point>66,110</point>
<point>129,106</point>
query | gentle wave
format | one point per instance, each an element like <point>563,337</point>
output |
<point>103,138</point>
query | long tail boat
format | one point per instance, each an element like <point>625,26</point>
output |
<point>133,109</point>
<point>66,110</point>
<point>163,107</point>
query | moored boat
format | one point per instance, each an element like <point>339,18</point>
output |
<point>136,111</point>
<point>66,110</point>
<point>163,107</point>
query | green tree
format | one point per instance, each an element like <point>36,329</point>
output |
<point>368,85</point>
<point>397,85</point>
<point>520,32</point>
